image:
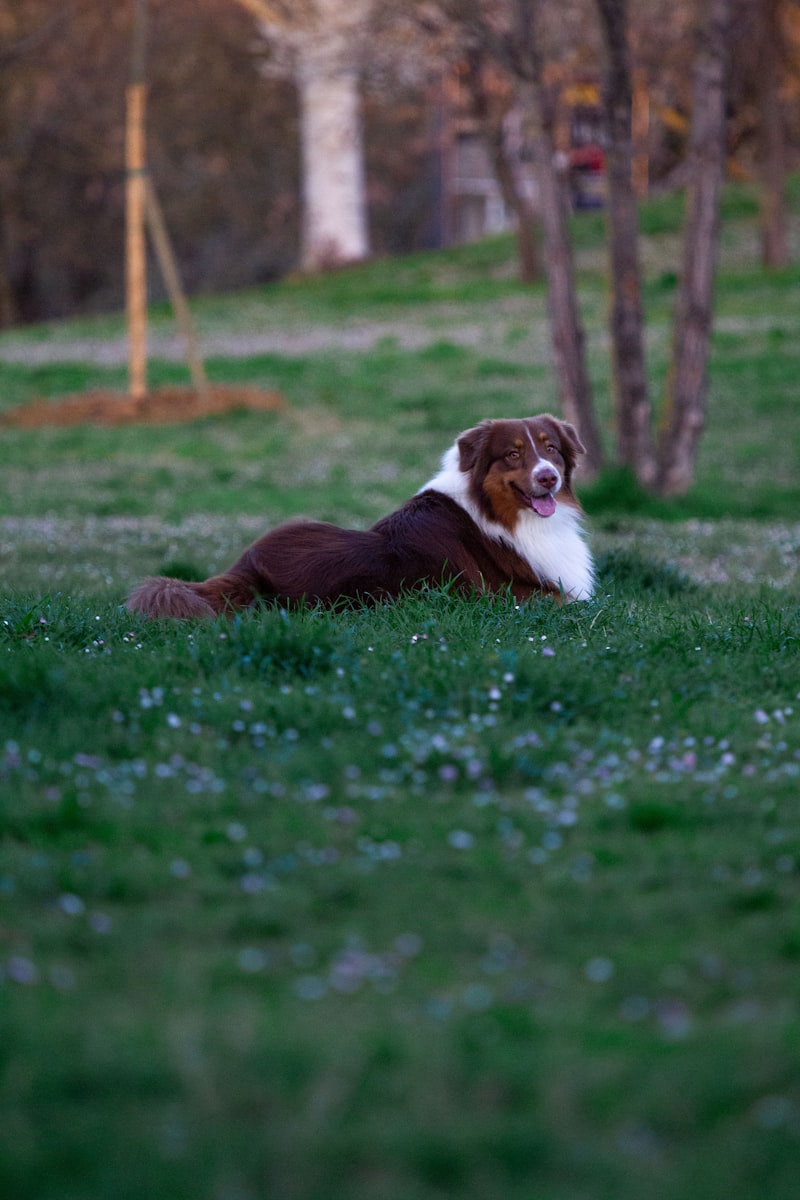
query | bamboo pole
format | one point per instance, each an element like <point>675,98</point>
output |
<point>142,209</point>
<point>135,203</point>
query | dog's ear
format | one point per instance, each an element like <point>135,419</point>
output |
<point>471,444</point>
<point>568,435</point>
<point>571,438</point>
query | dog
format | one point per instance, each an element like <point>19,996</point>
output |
<point>500,516</point>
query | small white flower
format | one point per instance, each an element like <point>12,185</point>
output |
<point>70,904</point>
<point>599,970</point>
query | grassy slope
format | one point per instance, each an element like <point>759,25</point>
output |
<point>441,899</point>
<point>365,429</point>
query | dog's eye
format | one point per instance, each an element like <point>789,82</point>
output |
<point>551,449</point>
<point>513,456</point>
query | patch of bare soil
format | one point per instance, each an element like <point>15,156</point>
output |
<point>163,405</point>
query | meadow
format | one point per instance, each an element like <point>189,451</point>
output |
<point>443,898</point>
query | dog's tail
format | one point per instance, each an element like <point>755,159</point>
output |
<point>162,597</point>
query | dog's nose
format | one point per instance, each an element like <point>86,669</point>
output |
<point>546,477</point>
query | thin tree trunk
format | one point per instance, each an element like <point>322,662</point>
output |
<point>635,446</point>
<point>575,391</point>
<point>685,403</point>
<point>566,328</point>
<point>491,127</point>
<point>527,249</point>
<point>772,138</point>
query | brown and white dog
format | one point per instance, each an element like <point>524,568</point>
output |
<point>500,515</point>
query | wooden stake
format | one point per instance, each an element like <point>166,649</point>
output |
<point>135,197</point>
<point>142,206</point>
<point>169,269</point>
<point>135,252</point>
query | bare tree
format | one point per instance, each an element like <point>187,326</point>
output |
<point>669,467</point>
<point>525,57</point>
<point>635,446</point>
<point>771,133</point>
<point>511,36</point>
<point>685,401</point>
<point>665,466</point>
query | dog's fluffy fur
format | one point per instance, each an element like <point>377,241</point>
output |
<point>500,515</point>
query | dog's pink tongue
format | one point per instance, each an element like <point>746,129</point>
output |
<point>545,506</point>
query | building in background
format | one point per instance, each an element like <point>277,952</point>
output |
<point>471,197</point>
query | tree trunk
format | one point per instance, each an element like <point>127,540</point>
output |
<point>635,446</point>
<point>772,139</point>
<point>334,201</point>
<point>566,329</point>
<point>322,43</point>
<point>490,121</point>
<point>513,198</point>
<point>575,391</point>
<point>685,402</point>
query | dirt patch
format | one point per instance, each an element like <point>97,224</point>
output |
<point>161,406</point>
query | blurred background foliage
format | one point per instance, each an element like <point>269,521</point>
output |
<point>223,139</point>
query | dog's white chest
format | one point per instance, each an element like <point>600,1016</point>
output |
<point>556,550</point>
<point>554,547</point>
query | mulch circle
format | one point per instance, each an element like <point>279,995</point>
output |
<point>162,405</point>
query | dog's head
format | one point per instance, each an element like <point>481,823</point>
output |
<point>520,466</point>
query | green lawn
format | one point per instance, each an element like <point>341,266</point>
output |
<point>445,898</point>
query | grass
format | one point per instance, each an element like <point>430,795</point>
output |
<point>444,898</point>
